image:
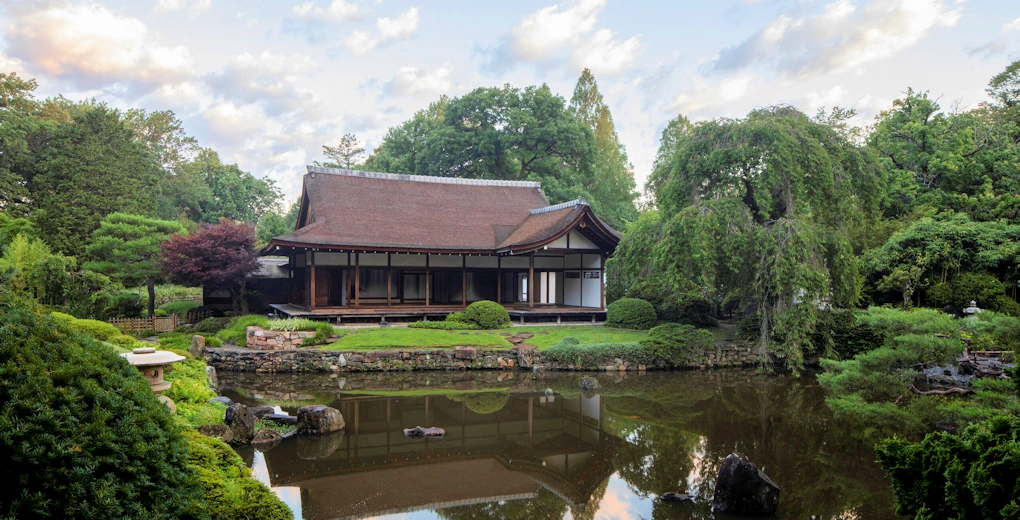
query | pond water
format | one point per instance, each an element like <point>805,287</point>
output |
<point>517,447</point>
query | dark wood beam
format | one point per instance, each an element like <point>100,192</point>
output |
<point>463,280</point>
<point>311,291</point>
<point>531,281</point>
<point>428,282</point>
<point>389,280</point>
<point>357,280</point>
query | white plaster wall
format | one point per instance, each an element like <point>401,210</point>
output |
<point>482,261</point>
<point>400,260</point>
<point>591,261</point>
<point>559,243</point>
<point>372,259</point>
<point>445,261</point>
<point>548,262</point>
<point>579,241</point>
<point>572,291</point>
<point>515,262</point>
<point>592,292</point>
<point>325,258</point>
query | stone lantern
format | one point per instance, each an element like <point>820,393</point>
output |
<point>152,364</point>
<point>973,310</point>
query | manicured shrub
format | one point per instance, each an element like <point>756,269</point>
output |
<point>487,314</point>
<point>677,344</point>
<point>123,340</point>
<point>570,351</point>
<point>293,324</point>
<point>443,325</point>
<point>66,318</point>
<point>975,474</point>
<point>213,342</point>
<point>160,313</point>
<point>230,493</point>
<point>630,313</point>
<point>97,329</point>
<point>458,317</point>
<point>1005,305</point>
<point>81,433</point>
<point>180,308</point>
<point>208,325</point>
<point>125,304</point>
<point>483,403</point>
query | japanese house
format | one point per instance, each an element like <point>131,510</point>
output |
<point>382,244</point>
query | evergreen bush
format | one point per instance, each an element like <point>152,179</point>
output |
<point>180,308</point>
<point>676,343</point>
<point>208,325</point>
<point>483,403</point>
<point>124,341</point>
<point>975,474</point>
<point>570,351</point>
<point>443,325</point>
<point>97,329</point>
<point>81,433</point>
<point>488,315</point>
<point>688,309</point>
<point>630,313</point>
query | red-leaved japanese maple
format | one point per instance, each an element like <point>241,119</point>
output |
<point>216,256</point>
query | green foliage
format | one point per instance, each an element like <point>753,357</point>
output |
<point>89,294</point>
<point>843,333</point>
<point>483,403</point>
<point>190,391</point>
<point>278,427</point>
<point>97,329</point>
<point>229,491</point>
<point>123,340</point>
<point>446,324</point>
<point>677,344</point>
<point>487,315</point>
<point>458,316</point>
<point>235,333</point>
<point>975,474</point>
<point>213,342</point>
<point>630,313</point>
<point>690,309</point>
<point>208,325</point>
<point>83,435</point>
<point>596,356</point>
<point>890,322</point>
<point>180,308</point>
<point>29,268</point>
<point>294,324</point>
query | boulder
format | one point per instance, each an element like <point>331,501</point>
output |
<point>418,432</point>
<point>262,411</point>
<point>465,352</point>
<point>742,488</point>
<point>281,418</point>
<point>266,439</point>
<point>590,384</point>
<point>317,419</point>
<point>220,431</point>
<point>222,399</point>
<point>197,344</point>
<point>319,446</point>
<point>241,422</point>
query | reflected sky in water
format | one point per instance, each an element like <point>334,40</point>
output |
<point>517,447</point>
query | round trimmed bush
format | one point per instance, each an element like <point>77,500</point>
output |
<point>483,403</point>
<point>488,314</point>
<point>677,343</point>
<point>630,313</point>
<point>208,325</point>
<point>81,433</point>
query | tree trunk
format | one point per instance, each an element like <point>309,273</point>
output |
<point>244,303</point>
<point>150,283</point>
<point>238,303</point>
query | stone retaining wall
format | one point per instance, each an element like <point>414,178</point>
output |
<point>258,338</point>
<point>457,358</point>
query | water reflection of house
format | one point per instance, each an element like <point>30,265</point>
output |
<point>533,442</point>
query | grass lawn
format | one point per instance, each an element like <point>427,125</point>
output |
<point>550,335</point>
<point>399,337</point>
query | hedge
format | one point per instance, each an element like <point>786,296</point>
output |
<point>570,351</point>
<point>677,344</point>
<point>82,434</point>
<point>630,313</point>
<point>443,325</point>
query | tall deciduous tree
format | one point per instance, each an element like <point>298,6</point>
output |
<point>275,224</point>
<point>164,136</point>
<point>611,181</point>
<point>209,190</point>
<point>758,209</point>
<point>347,153</point>
<point>126,248</point>
<point>216,256</point>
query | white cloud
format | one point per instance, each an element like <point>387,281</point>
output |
<point>712,94</point>
<point>824,99</point>
<point>412,80</point>
<point>399,28</point>
<point>1012,26</point>
<point>197,7</point>
<point>567,34</point>
<point>842,36</point>
<point>336,11</point>
<point>89,43</point>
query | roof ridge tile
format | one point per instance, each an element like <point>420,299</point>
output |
<point>312,170</point>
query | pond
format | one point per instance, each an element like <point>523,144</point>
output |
<point>518,447</point>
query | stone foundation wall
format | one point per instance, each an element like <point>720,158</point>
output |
<point>458,358</point>
<point>258,338</point>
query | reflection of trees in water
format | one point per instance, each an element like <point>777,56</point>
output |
<point>587,510</point>
<point>483,403</point>
<point>545,506</point>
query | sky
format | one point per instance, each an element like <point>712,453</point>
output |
<point>266,84</point>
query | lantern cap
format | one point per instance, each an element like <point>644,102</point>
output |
<point>148,356</point>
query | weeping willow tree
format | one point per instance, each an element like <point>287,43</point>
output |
<point>757,211</point>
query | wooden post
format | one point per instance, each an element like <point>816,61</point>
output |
<point>349,284</point>
<point>602,280</point>
<point>357,280</point>
<point>531,281</point>
<point>463,280</point>
<point>389,285</point>
<point>311,291</point>
<point>428,281</point>
<point>499,280</point>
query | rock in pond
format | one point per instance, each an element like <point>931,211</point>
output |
<point>744,489</point>
<point>676,497</point>
<point>418,432</point>
<point>241,422</point>
<point>222,399</point>
<point>262,411</point>
<point>281,418</point>
<point>590,384</point>
<point>266,439</point>
<point>220,431</point>
<point>317,419</point>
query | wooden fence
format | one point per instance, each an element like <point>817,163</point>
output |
<point>158,323</point>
